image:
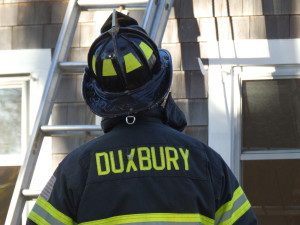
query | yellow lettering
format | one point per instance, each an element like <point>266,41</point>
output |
<point>106,164</point>
<point>162,158</point>
<point>144,158</point>
<point>131,163</point>
<point>156,158</point>
<point>185,156</point>
<point>113,164</point>
<point>171,159</point>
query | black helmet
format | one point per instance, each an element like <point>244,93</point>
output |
<point>126,72</point>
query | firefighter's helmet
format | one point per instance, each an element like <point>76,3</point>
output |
<point>126,72</point>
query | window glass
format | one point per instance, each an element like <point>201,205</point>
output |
<point>8,177</point>
<point>10,120</point>
<point>271,114</point>
<point>10,143</point>
<point>273,189</point>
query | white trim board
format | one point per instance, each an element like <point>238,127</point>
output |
<point>227,59</point>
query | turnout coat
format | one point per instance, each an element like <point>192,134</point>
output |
<point>145,173</point>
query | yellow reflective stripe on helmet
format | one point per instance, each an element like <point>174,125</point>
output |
<point>233,209</point>
<point>146,49</point>
<point>154,217</point>
<point>108,68</point>
<point>54,212</point>
<point>131,63</point>
<point>94,64</point>
<point>34,217</point>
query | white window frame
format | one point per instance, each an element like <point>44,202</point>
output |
<point>270,73</point>
<point>230,62</point>
<point>259,73</point>
<point>29,68</point>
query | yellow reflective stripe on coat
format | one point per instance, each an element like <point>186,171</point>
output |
<point>45,213</point>
<point>34,217</point>
<point>108,68</point>
<point>131,62</point>
<point>234,209</point>
<point>136,219</point>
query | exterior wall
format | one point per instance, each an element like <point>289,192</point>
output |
<point>27,24</point>
<point>192,28</point>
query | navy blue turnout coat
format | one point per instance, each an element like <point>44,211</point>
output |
<point>146,173</point>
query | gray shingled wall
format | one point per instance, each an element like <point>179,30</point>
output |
<point>26,24</point>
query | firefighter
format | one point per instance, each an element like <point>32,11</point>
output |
<point>143,170</point>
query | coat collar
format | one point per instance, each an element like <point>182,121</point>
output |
<point>154,115</point>
<point>170,115</point>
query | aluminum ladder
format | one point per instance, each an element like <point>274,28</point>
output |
<point>154,22</point>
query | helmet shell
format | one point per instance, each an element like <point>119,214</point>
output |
<point>124,60</point>
<point>126,73</point>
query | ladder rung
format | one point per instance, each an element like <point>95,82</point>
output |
<point>111,4</point>
<point>72,130</point>
<point>73,67</point>
<point>30,194</point>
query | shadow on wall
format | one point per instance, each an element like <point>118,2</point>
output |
<point>189,84</point>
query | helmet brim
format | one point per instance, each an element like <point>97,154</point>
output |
<point>148,96</point>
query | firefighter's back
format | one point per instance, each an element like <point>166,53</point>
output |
<point>147,172</point>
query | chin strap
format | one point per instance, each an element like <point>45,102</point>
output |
<point>174,117</point>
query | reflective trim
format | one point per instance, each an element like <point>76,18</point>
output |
<point>154,218</point>
<point>50,212</point>
<point>131,62</point>
<point>34,217</point>
<point>43,216</point>
<point>234,209</point>
<point>108,68</point>
<point>46,193</point>
<point>94,64</point>
<point>146,49</point>
<point>165,223</point>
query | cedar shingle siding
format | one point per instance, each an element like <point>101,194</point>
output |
<point>26,24</point>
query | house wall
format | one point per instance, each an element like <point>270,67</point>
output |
<point>28,24</point>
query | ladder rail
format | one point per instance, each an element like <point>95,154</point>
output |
<point>149,15</point>
<point>157,12</point>
<point>26,171</point>
<point>160,22</point>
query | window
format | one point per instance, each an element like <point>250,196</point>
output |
<point>22,78</point>
<point>273,188</point>
<point>8,176</point>
<point>10,114</point>
<point>271,114</point>
<point>13,128</point>
<point>253,121</point>
<point>270,148</point>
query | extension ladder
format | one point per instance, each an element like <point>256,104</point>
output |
<point>154,22</point>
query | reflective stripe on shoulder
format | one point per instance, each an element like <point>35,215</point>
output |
<point>153,218</point>
<point>231,211</point>
<point>44,213</point>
